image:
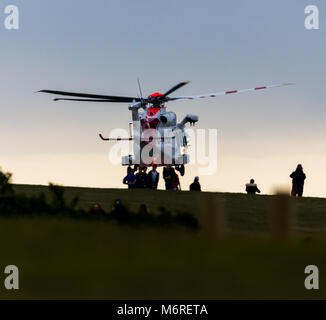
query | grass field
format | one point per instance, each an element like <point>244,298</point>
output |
<point>70,259</point>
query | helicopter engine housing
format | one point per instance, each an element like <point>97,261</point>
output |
<point>168,119</point>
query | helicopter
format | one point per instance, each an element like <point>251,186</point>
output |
<point>156,135</point>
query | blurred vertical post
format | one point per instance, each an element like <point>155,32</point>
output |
<point>211,215</point>
<point>282,216</point>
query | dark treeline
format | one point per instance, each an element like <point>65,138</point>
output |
<point>15,204</point>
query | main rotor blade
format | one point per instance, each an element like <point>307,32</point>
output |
<point>89,100</point>
<point>178,86</point>
<point>94,96</point>
<point>212,95</point>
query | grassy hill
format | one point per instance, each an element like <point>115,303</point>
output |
<point>67,258</point>
<point>244,213</point>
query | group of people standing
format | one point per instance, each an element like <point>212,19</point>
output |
<point>142,179</point>
<point>150,180</point>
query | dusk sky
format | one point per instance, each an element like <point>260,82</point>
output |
<point>103,46</point>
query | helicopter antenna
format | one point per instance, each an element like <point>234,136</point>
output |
<point>143,103</point>
<point>140,91</point>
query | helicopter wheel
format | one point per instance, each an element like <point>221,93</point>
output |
<point>181,169</point>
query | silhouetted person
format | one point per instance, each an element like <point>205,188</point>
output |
<point>153,178</point>
<point>195,186</point>
<point>176,181</point>
<point>298,178</point>
<point>129,169</point>
<point>168,173</point>
<point>251,188</point>
<point>141,178</point>
<point>130,179</point>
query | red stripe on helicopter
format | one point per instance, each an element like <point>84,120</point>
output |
<point>233,91</point>
<point>260,88</point>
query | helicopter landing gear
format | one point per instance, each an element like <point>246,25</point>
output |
<point>181,169</point>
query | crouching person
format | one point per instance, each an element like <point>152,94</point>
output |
<point>251,188</point>
<point>195,186</point>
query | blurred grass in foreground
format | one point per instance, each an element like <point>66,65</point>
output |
<point>72,259</point>
<point>68,259</point>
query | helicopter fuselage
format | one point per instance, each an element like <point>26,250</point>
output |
<point>158,138</point>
